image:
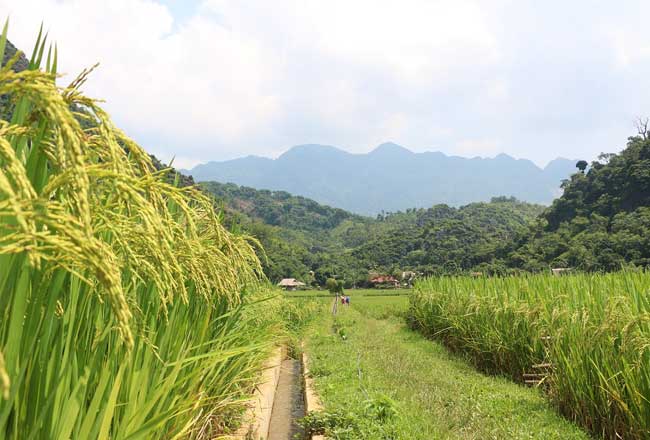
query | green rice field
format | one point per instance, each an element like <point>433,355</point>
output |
<point>380,380</point>
<point>127,310</point>
<point>353,293</point>
<point>584,337</point>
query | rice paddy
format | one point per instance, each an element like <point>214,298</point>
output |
<point>126,309</point>
<point>584,339</point>
<point>380,380</point>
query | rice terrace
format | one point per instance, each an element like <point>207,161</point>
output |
<point>319,293</point>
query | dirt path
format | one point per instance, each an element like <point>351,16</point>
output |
<point>289,405</point>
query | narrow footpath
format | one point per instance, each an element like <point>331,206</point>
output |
<point>437,395</point>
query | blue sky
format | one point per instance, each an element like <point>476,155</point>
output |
<point>216,79</point>
<point>181,9</point>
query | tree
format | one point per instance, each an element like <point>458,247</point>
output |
<point>334,286</point>
<point>642,127</point>
<point>582,165</point>
<point>601,220</point>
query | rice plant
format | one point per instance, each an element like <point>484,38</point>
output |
<point>127,311</point>
<point>592,331</point>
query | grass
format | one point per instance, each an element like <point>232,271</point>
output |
<point>353,293</point>
<point>127,311</point>
<point>594,329</point>
<point>380,380</point>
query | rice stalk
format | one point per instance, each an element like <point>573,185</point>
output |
<point>593,329</point>
<point>125,305</point>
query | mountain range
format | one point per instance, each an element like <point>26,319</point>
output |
<point>391,177</point>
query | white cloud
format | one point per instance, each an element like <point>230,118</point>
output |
<point>238,77</point>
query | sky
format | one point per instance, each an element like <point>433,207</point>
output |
<point>209,80</point>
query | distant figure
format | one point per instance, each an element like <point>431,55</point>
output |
<point>347,300</point>
<point>342,299</point>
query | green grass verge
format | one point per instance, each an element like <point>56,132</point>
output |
<point>378,379</point>
<point>352,293</point>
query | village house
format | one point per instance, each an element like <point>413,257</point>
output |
<point>291,284</point>
<point>384,281</point>
<point>561,271</point>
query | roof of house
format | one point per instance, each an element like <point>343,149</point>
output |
<point>290,282</point>
<point>558,270</point>
<point>383,279</point>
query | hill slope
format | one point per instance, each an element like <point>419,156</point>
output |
<point>309,241</point>
<point>601,221</point>
<point>390,178</point>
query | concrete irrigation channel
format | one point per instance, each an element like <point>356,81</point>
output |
<point>284,397</point>
<point>289,402</point>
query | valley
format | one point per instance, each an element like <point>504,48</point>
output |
<point>412,295</point>
<point>599,223</point>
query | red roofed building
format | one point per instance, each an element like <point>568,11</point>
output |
<point>384,281</point>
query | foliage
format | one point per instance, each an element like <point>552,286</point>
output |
<point>442,239</point>
<point>279,208</point>
<point>602,220</point>
<point>600,223</point>
<point>301,237</point>
<point>336,425</point>
<point>334,286</point>
<point>126,309</point>
<point>372,420</point>
<point>582,165</point>
<point>593,329</point>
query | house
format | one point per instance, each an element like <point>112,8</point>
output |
<point>291,284</point>
<point>561,271</point>
<point>384,281</point>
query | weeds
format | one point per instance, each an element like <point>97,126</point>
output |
<point>376,420</point>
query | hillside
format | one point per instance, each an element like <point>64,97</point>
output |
<point>21,64</point>
<point>443,239</point>
<point>279,208</point>
<point>391,178</point>
<point>601,221</point>
<point>295,232</point>
<point>306,240</point>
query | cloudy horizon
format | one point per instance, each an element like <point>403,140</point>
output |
<point>218,79</point>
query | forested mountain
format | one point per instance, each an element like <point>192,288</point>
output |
<point>443,239</point>
<point>20,64</point>
<point>601,221</point>
<point>279,208</point>
<point>295,232</point>
<point>391,178</point>
<point>10,51</point>
<point>306,240</point>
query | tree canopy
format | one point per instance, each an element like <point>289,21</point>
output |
<point>601,222</point>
